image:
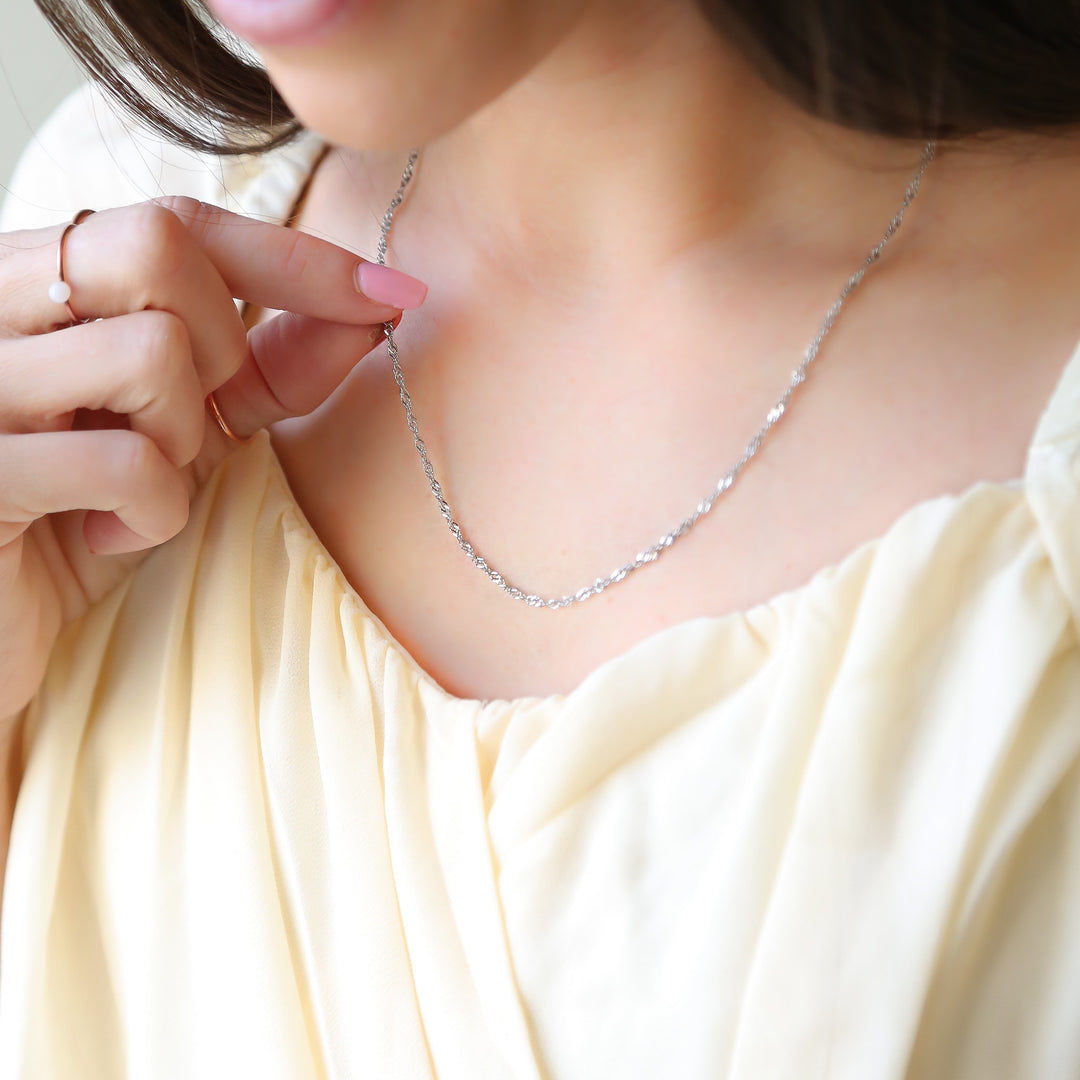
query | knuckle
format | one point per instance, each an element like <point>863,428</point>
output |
<point>237,348</point>
<point>192,213</point>
<point>142,472</point>
<point>230,345</point>
<point>155,239</point>
<point>164,345</point>
<point>136,460</point>
<point>180,205</point>
<point>293,255</point>
<point>189,431</point>
<point>191,440</point>
<point>174,513</point>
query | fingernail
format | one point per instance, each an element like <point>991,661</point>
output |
<point>385,285</point>
<point>377,334</point>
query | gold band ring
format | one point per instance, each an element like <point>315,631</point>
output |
<point>215,412</point>
<point>60,290</point>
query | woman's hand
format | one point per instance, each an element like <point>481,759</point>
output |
<point>104,436</point>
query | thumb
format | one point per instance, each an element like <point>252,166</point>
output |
<point>293,364</point>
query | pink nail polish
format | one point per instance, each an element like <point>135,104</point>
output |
<point>385,285</point>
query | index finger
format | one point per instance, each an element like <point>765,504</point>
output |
<point>286,270</point>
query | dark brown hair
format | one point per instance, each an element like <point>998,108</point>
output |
<point>907,68</point>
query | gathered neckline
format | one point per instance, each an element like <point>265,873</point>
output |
<point>772,610</point>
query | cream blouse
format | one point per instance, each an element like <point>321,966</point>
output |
<point>834,836</point>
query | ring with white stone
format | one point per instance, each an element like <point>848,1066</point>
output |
<point>60,290</point>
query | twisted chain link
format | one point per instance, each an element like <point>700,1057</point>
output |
<point>654,551</point>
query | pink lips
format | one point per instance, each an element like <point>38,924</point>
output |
<point>280,22</point>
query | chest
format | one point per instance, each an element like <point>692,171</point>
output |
<point>569,432</point>
<point>560,479</point>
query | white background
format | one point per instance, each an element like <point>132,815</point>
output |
<point>36,72</point>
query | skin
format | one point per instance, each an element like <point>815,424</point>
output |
<point>628,240</point>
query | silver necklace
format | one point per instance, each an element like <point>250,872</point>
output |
<point>652,553</point>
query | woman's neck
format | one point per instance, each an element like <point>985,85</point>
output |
<point>641,135</point>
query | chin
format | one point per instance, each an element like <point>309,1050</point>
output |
<point>416,73</point>
<point>369,108</point>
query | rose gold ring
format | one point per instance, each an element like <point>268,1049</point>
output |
<point>60,290</point>
<point>215,412</point>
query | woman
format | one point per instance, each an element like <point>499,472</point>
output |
<point>301,792</point>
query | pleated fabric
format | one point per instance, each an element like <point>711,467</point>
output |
<point>836,835</point>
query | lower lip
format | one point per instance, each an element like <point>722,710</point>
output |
<point>280,22</point>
